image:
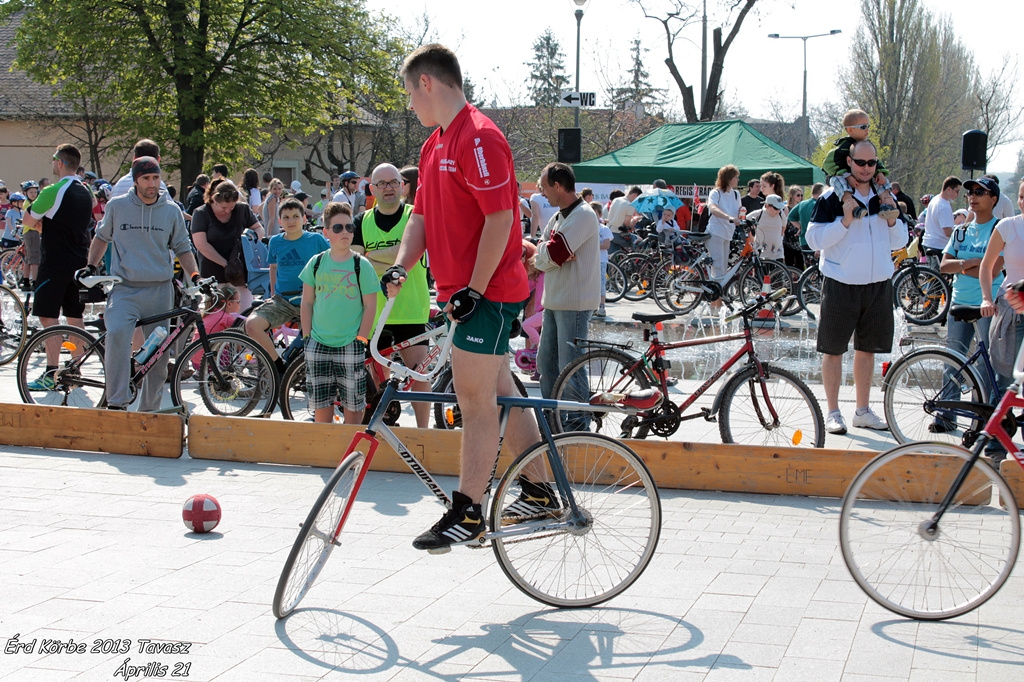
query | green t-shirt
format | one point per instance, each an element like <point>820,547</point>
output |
<point>802,213</point>
<point>338,306</point>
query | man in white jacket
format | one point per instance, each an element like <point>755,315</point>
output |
<point>856,299</point>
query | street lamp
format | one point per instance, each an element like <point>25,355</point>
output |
<point>580,4</point>
<point>807,123</point>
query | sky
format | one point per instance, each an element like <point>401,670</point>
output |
<point>494,45</point>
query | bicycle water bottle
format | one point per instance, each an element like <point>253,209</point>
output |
<point>152,343</point>
<point>743,213</point>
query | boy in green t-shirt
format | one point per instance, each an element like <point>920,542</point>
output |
<point>339,301</point>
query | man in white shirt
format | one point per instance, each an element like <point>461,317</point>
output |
<point>1004,207</point>
<point>541,211</point>
<point>938,221</point>
<point>350,194</point>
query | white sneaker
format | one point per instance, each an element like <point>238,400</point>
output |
<point>869,420</point>
<point>834,423</point>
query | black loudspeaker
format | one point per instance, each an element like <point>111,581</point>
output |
<point>974,150</point>
<point>570,145</point>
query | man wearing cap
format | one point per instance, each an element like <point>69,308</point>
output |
<point>350,194</point>
<point>144,228</point>
<point>856,297</point>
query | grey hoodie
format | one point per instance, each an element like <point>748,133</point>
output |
<point>143,238</point>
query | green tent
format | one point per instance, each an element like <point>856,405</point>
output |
<point>692,153</point>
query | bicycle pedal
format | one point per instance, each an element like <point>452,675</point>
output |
<point>439,550</point>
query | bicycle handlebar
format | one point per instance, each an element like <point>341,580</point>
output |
<point>758,303</point>
<point>398,368</point>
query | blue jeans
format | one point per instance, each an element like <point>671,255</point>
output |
<point>557,346</point>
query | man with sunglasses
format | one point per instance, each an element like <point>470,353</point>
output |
<point>838,165</point>
<point>350,194</point>
<point>856,299</point>
<point>378,235</point>
<point>938,221</point>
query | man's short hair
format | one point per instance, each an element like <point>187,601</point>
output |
<point>615,194</point>
<point>952,182</point>
<point>560,173</point>
<point>634,190</point>
<point>69,155</point>
<point>293,203</point>
<point>434,60</point>
<point>146,147</point>
<point>859,143</point>
<point>585,191</point>
<point>598,209</point>
<point>202,180</point>
<point>854,115</point>
<point>221,168</point>
<point>896,186</point>
<point>661,184</point>
<point>267,176</point>
<point>336,208</point>
<point>817,188</point>
<point>751,183</point>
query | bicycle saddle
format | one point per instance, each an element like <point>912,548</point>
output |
<point>697,236</point>
<point>965,313</point>
<point>644,317</point>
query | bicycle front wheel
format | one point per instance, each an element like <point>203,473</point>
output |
<point>12,264</point>
<point>615,286</point>
<point>908,564</point>
<point>449,415</point>
<point>922,293</point>
<point>597,371</point>
<point>235,379</point>
<point>927,375</point>
<point>78,381</point>
<point>598,559</point>
<point>745,414</point>
<point>13,325</point>
<point>808,291</point>
<point>684,290</point>
<point>318,536</point>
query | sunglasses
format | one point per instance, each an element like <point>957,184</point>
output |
<point>979,193</point>
<point>348,227</point>
<point>865,162</point>
<point>862,126</point>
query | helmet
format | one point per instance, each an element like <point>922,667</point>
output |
<point>926,198</point>
<point>18,196</point>
<point>29,184</point>
<point>349,175</point>
<point>105,190</point>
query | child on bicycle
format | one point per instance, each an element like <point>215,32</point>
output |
<point>837,167</point>
<point>339,301</point>
<point>12,221</point>
<point>288,253</point>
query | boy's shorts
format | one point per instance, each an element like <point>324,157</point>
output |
<point>487,332</point>
<point>332,372</point>
<point>33,247</point>
<point>277,311</point>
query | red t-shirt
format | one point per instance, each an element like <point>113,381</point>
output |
<point>466,173</point>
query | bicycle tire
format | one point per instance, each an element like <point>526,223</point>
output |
<point>808,291</point>
<point>318,536</point>
<point>443,412</point>
<point>294,399</point>
<point>87,388</point>
<point>681,294</point>
<point>741,417</point>
<point>601,369</point>
<point>11,266</point>
<point>923,295</point>
<point>250,379</point>
<point>920,376</point>
<point>13,325</point>
<point>791,303</point>
<point>639,270</point>
<point>750,284</point>
<point>615,284</point>
<point>583,567</point>
<point>895,558</point>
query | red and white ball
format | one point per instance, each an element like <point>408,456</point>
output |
<point>201,513</point>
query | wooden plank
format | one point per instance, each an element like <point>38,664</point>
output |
<point>1014,476</point>
<point>72,428</point>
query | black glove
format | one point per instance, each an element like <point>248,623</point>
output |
<point>87,271</point>
<point>463,304</point>
<point>391,276</point>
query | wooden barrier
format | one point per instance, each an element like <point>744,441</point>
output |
<point>690,466</point>
<point>74,428</point>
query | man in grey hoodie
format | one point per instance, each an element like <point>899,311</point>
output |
<point>143,229</point>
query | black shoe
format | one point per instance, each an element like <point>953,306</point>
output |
<point>941,425</point>
<point>536,501</point>
<point>460,525</point>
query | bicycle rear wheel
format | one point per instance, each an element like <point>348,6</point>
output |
<point>247,384</point>
<point>78,381</point>
<point>13,325</point>
<point>903,563</point>
<point>615,286</point>
<point>743,416</point>
<point>808,291</point>
<point>922,293</point>
<point>593,563</point>
<point>926,375</point>
<point>600,370</point>
<point>449,415</point>
<point>318,536</point>
<point>683,292</point>
<point>11,266</point>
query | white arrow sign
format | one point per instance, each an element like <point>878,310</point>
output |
<point>578,99</point>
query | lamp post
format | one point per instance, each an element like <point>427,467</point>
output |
<point>807,123</point>
<point>580,4</point>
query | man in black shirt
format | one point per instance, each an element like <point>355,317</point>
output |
<point>754,201</point>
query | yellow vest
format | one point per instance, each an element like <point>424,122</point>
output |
<point>413,304</point>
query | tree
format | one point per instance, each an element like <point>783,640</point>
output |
<point>637,91</point>
<point>211,77</point>
<point>674,22</point>
<point>547,76</point>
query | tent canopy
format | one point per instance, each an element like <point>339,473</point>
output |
<point>692,153</point>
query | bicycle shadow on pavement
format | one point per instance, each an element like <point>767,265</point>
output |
<point>583,643</point>
<point>958,640</point>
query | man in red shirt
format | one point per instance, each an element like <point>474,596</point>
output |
<point>467,216</point>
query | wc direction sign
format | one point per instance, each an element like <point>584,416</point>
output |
<point>578,99</point>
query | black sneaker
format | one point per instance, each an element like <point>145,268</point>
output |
<point>940,425</point>
<point>536,501</point>
<point>461,524</point>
